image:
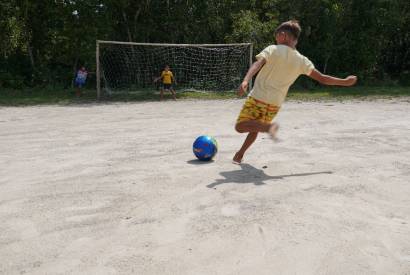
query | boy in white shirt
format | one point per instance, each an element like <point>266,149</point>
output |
<point>278,66</point>
<point>80,80</point>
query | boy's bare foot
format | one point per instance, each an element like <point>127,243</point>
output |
<point>237,159</point>
<point>273,130</point>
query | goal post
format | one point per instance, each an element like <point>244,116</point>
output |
<point>128,67</point>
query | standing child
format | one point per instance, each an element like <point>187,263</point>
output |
<point>278,66</point>
<point>80,80</point>
<point>167,79</point>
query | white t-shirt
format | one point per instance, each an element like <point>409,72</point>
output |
<point>283,66</point>
<point>82,75</point>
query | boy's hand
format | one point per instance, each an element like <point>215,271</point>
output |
<point>351,80</point>
<point>243,88</point>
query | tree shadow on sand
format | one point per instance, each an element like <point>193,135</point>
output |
<point>250,174</point>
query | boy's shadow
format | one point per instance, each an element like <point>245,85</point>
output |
<point>250,174</point>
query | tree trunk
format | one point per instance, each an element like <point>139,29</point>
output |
<point>30,54</point>
<point>124,16</point>
<point>75,66</point>
<point>28,36</point>
<point>326,62</point>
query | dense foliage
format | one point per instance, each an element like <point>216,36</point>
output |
<point>43,42</point>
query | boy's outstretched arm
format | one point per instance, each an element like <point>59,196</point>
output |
<point>256,66</point>
<point>330,80</point>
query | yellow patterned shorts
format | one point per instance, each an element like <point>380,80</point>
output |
<point>254,109</point>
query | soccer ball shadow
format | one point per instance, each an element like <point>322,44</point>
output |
<point>199,162</point>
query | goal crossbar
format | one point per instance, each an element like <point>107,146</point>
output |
<point>172,45</point>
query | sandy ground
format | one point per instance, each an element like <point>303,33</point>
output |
<point>115,189</point>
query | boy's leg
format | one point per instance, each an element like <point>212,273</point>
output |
<point>250,138</point>
<point>161,94</point>
<point>174,95</point>
<point>256,126</point>
<point>253,127</point>
<point>78,90</point>
<point>254,119</point>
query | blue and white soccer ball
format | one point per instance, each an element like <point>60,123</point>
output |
<point>205,148</point>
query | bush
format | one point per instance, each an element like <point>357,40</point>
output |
<point>404,78</point>
<point>7,80</point>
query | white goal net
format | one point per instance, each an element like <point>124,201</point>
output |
<point>124,67</point>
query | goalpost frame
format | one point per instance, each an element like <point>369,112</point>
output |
<point>97,53</point>
<point>97,71</point>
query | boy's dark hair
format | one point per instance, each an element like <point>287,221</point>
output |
<point>291,27</point>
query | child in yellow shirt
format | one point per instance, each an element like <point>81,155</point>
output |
<point>167,79</point>
<point>278,66</point>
